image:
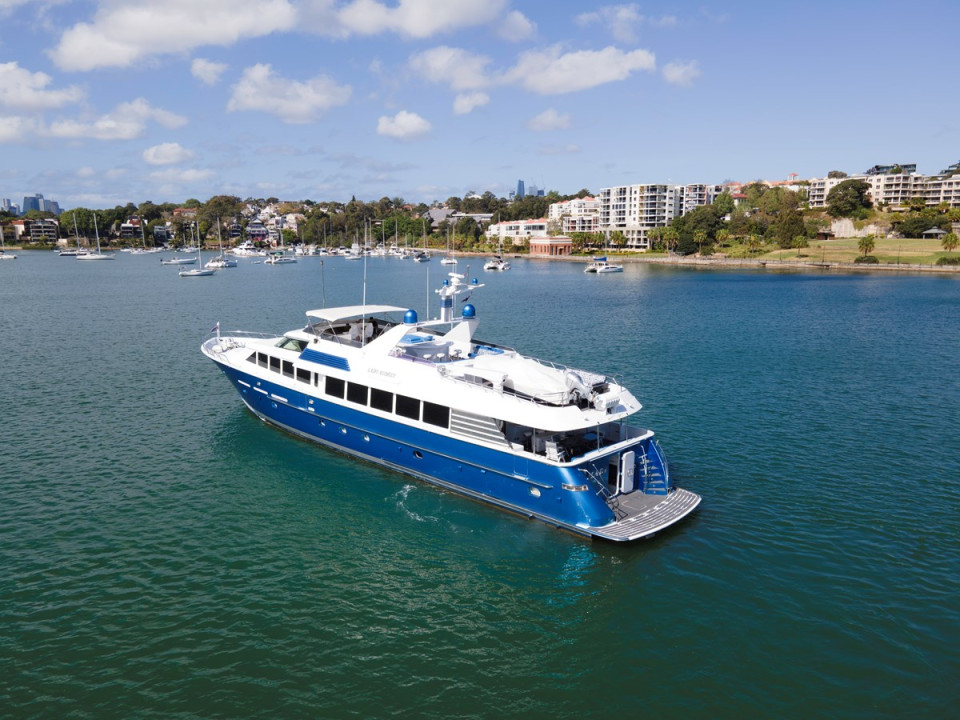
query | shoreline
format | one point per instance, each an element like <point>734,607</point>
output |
<point>702,262</point>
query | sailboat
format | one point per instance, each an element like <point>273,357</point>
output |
<point>497,262</point>
<point>197,271</point>
<point>71,252</point>
<point>449,259</point>
<point>4,255</point>
<point>97,255</point>
<point>221,261</point>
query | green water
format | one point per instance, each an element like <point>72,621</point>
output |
<point>165,554</point>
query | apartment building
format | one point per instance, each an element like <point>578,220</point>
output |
<point>575,215</point>
<point>894,191</point>
<point>634,210</point>
<point>695,196</point>
<point>517,231</point>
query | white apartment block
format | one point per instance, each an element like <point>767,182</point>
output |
<point>943,189</point>
<point>634,210</point>
<point>893,190</point>
<point>695,196</point>
<point>575,215</point>
<point>517,231</point>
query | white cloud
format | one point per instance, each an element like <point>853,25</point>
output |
<point>463,70</point>
<point>623,21</point>
<point>126,122</point>
<point>115,37</point>
<point>403,126</point>
<point>292,101</point>
<point>516,27</point>
<point>14,129</point>
<point>548,72</point>
<point>548,120</point>
<point>85,172</point>
<point>570,149</point>
<point>465,103</point>
<point>177,176</point>
<point>207,71</point>
<point>681,73</point>
<point>24,90</point>
<point>620,20</point>
<point>411,18</point>
<point>167,154</point>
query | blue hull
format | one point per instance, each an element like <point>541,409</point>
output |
<point>523,484</point>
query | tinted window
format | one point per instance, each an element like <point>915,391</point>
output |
<point>408,407</point>
<point>436,414</point>
<point>288,368</point>
<point>303,375</point>
<point>335,386</point>
<point>357,393</point>
<point>275,364</point>
<point>381,400</point>
<point>262,359</point>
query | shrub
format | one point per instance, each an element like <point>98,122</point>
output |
<point>948,261</point>
<point>868,259</point>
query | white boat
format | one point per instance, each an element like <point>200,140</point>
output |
<point>421,256</point>
<point>97,255</point>
<point>428,399</point>
<point>4,255</point>
<point>600,265</point>
<point>278,258</point>
<point>449,259</point>
<point>247,249</point>
<point>200,271</point>
<point>178,261</point>
<point>497,262</point>
<point>221,261</point>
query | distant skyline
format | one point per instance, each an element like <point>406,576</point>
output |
<point>108,102</point>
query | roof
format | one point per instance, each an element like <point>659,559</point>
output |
<point>349,311</point>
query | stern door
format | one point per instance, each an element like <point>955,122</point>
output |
<point>627,462</point>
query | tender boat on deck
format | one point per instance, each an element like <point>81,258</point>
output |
<point>429,399</point>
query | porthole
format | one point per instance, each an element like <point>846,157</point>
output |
<point>535,492</point>
<point>343,430</point>
<point>366,438</point>
<point>417,454</point>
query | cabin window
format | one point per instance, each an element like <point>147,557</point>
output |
<point>434,414</point>
<point>262,359</point>
<point>317,379</point>
<point>275,364</point>
<point>288,368</point>
<point>252,358</point>
<point>381,400</point>
<point>408,407</point>
<point>335,386</point>
<point>303,375</point>
<point>357,393</point>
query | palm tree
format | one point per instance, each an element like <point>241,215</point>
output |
<point>700,236</point>
<point>866,244</point>
<point>950,242</point>
<point>722,237</point>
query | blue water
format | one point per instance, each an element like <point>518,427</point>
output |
<point>165,554</point>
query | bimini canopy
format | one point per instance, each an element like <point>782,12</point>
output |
<point>351,311</point>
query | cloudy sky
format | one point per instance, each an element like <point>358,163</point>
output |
<point>104,102</point>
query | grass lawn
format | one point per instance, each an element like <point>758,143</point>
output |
<point>910,251</point>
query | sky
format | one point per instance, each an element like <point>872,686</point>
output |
<point>105,102</point>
